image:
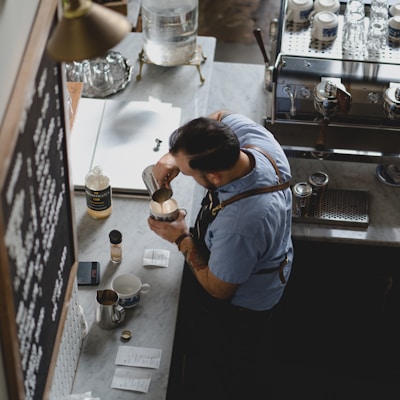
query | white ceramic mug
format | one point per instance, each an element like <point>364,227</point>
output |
<point>324,26</point>
<point>166,211</point>
<point>394,9</point>
<point>327,5</point>
<point>298,11</point>
<point>129,287</point>
<point>394,28</point>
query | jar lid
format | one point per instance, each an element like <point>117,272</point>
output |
<point>115,237</point>
<point>318,179</point>
<point>126,334</point>
<point>302,189</point>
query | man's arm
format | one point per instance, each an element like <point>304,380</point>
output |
<point>213,285</point>
<point>219,115</point>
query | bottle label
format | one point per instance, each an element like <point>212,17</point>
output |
<point>98,200</point>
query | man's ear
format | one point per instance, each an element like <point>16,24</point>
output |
<point>214,178</point>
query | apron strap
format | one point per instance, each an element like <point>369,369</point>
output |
<point>280,186</point>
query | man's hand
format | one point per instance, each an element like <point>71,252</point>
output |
<point>169,231</point>
<point>165,170</point>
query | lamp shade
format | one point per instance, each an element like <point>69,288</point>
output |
<point>87,33</point>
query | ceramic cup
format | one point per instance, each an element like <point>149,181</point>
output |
<point>298,11</point>
<point>326,5</point>
<point>166,211</point>
<point>129,288</point>
<point>394,10</point>
<point>324,26</point>
<point>394,28</point>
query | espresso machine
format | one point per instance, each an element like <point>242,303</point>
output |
<point>325,103</point>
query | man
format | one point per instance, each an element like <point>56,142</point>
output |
<point>239,252</point>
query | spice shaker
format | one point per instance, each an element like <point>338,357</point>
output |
<point>319,182</point>
<point>302,193</point>
<point>115,246</point>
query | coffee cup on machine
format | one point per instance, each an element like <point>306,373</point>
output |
<point>326,5</point>
<point>324,26</point>
<point>394,9</point>
<point>394,29</point>
<point>298,11</point>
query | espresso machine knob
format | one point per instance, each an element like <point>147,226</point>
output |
<point>391,102</point>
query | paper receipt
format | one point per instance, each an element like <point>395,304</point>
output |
<point>156,258</point>
<point>144,357</point>
<point>131,379</point>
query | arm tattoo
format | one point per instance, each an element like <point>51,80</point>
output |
<point>194,259</point>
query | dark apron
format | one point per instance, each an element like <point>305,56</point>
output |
<point>210,207</point>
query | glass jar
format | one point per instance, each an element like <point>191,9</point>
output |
<point>115,246</point>
<point>169,29</point>
<point>98,194</point>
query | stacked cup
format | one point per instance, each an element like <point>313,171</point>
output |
<point>394,24</point>
<point>378,28</point>
<point>354,29</point>
<point>324,20</point>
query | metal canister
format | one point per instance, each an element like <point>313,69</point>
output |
<point>302,192</point>
<point>319,182</point>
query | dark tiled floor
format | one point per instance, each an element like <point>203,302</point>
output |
<point>232,23</point>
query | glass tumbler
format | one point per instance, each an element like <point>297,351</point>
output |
<point>354,28</point>
<point>379,10</point>
<point>102,79</point>
<point>376,38</point>
<point>117,65</point>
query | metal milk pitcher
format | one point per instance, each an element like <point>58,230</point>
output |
<point>157,192</point>
<point>108,312</point>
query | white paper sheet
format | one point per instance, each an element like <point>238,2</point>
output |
<point>156,258</point>
<point>138,357</point>
<point>131,379</point>
<point>121,137</point>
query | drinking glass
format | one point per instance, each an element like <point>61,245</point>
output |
<point>117,65</point>
<point>354,29</point>
<point>102,79</point>
<point>376,38</point>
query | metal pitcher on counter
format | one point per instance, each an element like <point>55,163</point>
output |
<point>108,312</point>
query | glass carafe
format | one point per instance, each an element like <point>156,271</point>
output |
<point>169,30</point>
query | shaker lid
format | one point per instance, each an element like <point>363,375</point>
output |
<point>302,189</point>
<point>115,236</point>
<point>318,179</point>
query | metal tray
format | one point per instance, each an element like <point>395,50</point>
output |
<point>339,207</point>
<point>118,84</point>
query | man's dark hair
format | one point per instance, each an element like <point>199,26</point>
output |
<point>210,145</point>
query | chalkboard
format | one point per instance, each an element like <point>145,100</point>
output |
<point>37,230</point>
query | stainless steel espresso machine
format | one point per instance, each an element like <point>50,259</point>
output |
<point>326,103</point>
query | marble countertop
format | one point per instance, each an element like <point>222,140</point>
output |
<point>153,320</point>
<point>238,87</point>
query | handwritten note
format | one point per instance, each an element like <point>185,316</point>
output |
<point>138,357</point>
<point>156,258</point>
<point>131,379</point>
